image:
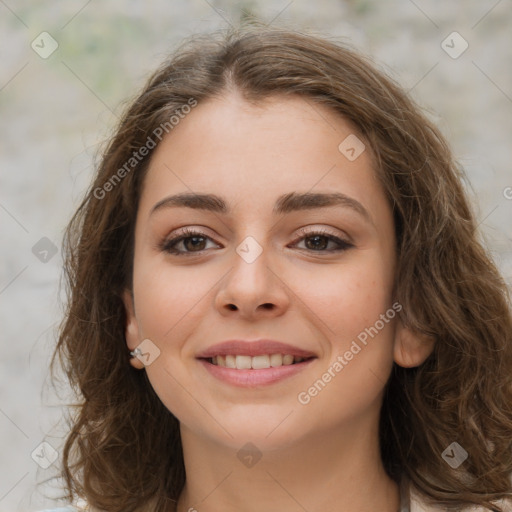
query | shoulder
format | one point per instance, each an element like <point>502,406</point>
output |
<point>79,506</point>
<point>69,508</point>
<point>418,504</point>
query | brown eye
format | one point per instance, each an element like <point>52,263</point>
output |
<point>319,241</point>
<point>194,243</point>
<point>187,242</point>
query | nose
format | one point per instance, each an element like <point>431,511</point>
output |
<point>253,289</point>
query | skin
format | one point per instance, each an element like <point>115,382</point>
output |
<point>320,456</point>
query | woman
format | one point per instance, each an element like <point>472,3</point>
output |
<point>278,299</point>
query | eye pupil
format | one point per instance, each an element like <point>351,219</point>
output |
<point>315,245</point>
<point>194,244</point>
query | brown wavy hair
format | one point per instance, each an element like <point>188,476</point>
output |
<point>123,451</point>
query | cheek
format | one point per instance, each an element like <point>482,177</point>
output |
<point>349,298</point>
<point>358,342</point>
<point>354,304</point>
<point>167,297</point>
<point>169,306</point>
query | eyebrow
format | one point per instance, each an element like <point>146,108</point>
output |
<point>287,203</point>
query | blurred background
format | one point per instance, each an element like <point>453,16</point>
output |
<point>67,69</point>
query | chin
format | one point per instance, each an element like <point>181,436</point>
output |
<point>257,440</point>
<point>265,434</point>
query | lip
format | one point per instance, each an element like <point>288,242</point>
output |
<point>254,378</point>
<point>253,348</point>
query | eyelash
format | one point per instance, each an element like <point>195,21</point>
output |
<point>169,245</point>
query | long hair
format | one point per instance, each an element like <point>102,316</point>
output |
<point>124,452</point>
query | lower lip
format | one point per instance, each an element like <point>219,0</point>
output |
<point>254,378</point>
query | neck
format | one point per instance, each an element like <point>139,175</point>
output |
<point>338,470</point>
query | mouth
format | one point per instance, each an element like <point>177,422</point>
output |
<point>256,363</point>
<point>254,371</point>
<point>259,362</point>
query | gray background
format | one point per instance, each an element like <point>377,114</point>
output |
<point>55,112</point>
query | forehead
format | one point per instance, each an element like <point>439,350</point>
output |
<point>250,152</point>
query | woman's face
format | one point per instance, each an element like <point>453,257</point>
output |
<point>270,257</point>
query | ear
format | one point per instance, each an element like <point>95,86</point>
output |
<point>131,329</point>
<point>411,349</point>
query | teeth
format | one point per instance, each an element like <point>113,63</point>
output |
<point>257,362</point>
<point>276,360</point>
<point>288,359</point>
<point>243,362</point>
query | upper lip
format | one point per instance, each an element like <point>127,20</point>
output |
<point>253,348</point>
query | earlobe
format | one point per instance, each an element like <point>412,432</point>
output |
<point>411,349</point>
<point>131,329</point>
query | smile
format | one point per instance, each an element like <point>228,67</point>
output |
<point>256,371</point>
<point>243,362</point>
